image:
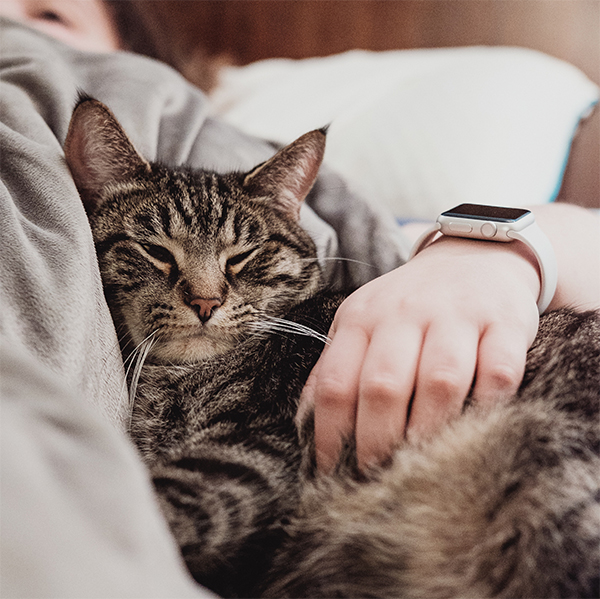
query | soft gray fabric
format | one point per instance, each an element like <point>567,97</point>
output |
<point>77,512</point>
<point>77,518</point>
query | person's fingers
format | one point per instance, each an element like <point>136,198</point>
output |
<point>444,377</point>
<point>500,364</point>
<point>335,393</point>
<point>386,384</point>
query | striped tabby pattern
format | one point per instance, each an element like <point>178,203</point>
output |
<point>216,294</point>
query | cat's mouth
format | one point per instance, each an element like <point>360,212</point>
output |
<point>190,344</point>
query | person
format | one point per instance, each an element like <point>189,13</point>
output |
<point>406,347</point>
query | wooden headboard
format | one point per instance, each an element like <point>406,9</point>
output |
<point>249,30</point>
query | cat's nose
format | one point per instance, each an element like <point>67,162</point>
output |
<point>205,307</point>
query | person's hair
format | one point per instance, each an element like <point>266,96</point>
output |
<point>133,27</point>
<point>141,30</point>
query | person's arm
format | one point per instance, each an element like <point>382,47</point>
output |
<point>407,346</point>
<point>575,236</point>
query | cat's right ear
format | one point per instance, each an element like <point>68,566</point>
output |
<point>99,152</point>
<point>285,180</point>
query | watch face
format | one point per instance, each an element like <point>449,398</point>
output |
<point>481,212</point>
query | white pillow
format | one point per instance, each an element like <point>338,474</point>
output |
<point>418,131</point>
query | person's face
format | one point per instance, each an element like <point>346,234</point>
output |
<point>83,24</point>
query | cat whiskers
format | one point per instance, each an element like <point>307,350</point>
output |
<point>137,358</point>
<point>272,324</point>
<point>339,259</point>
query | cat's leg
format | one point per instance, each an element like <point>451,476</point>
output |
<point>225,503</point>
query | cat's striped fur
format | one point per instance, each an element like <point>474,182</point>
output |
<point>199,270</point>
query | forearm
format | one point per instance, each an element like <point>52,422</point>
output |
<point>575,236</point>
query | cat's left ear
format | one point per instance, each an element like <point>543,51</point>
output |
<point>99,152</point>
<point>285,180</point>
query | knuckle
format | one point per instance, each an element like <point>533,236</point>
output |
<point>352,312</point>
<point>444,385</point>
<point>333,392</point>
<point>504,377</point>
<point>380,389</point>
<point>358,305</point>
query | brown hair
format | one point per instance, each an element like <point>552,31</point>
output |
<point>132,27</point>
<point>142,30</point>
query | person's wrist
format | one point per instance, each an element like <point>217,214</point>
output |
<point>508,261</point>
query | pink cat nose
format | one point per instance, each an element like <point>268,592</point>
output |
<point>205,307</point>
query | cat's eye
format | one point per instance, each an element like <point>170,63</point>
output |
<point>236,262</point>
<point>159,253</point>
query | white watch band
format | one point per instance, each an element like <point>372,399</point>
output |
<point>541,247</point>
<point>532,236</point>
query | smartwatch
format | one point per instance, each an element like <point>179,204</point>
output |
<point>495,223</point>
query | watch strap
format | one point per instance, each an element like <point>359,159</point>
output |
<point>540,245</point>
<point>424,240</point>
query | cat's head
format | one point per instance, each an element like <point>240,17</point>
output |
<point>192,259</point>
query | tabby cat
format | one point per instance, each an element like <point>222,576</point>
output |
<point>211,279</point>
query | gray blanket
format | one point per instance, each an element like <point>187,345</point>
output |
<point>77,514</point>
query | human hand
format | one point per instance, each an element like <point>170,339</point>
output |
<point>460,310</point>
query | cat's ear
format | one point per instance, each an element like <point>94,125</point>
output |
<point>287,178</point>
<point>99,152</point>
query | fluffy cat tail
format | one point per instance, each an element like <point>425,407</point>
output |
<point>475,513</point>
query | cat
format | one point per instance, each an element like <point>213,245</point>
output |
<point>216,291</point>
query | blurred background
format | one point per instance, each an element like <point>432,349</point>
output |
<point>196,36</point>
